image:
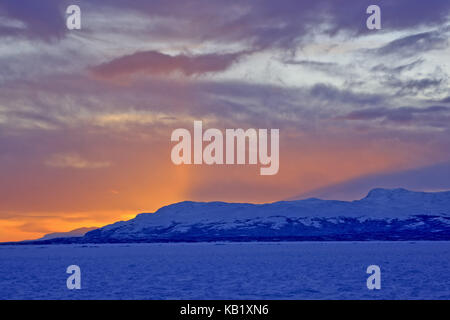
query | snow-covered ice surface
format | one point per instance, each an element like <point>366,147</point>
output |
<point>292,270</point>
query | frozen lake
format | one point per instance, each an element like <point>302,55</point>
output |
<point>297,270</point>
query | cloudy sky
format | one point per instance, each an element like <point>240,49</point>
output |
<point>86,115</point>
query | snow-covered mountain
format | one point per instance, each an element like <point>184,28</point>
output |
<point>73,233</point>
<point>396,214</point>
<point>383,215</point>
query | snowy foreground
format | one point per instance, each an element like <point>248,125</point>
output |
<point>292,270</point>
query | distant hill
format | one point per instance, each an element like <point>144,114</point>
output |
<point>74,233</point>
<point>384,214</point>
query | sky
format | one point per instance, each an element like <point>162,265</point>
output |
<point>86,115</point>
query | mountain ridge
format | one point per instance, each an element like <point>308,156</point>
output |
<point>79,232</point>
<point>384,214</point>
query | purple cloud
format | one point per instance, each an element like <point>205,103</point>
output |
<point>401,114</point>
<point>43,19</point>
<point>415,44</point>
<point>156,63</point>
<point>262,24</point>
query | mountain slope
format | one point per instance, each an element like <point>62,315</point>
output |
<point>396,214</point>
<point>74,233</point>
<point>382,215</point>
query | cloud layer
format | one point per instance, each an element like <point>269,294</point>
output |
<point>159,64</point>
<point>86,115</point>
